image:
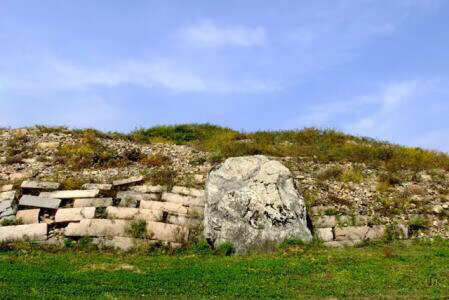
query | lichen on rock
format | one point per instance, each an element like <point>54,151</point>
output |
<point>252,202</point>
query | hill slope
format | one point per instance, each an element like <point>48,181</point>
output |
<point>339,175</point>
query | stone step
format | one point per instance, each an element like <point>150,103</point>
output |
<point>167,232</point>
<point>185,200</point>
<point>92,202</point>
<point>324,221</point>
<point>111,228</point>
<point>126,181</point>
<point>23,232</point>
<point>188,191</point>
<point>97,186</point>
<point>183,221</point>
<point>7,208</point>
<point>71,194</point>
<point>64,215</point>
<point>130,198</point>
<point>131,213</point>
<point>42,202</point>
<point>324,234</point>
<point>169,207</point>
<point>40,185</point>
<point>359,233</point>
<point>147,188</point>
<point>97,227</point>
<point>28,216</point>
<point>6,188</point>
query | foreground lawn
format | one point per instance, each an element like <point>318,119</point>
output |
<point>420,270</point>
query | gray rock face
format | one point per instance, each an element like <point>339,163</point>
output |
<point>252,202</point>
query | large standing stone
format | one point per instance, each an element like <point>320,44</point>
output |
<point>252,202</point>
<point>35,201</point>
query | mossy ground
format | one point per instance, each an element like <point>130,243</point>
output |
<point>419,270</point>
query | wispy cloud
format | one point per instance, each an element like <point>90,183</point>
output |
<point>397,111</point>
<point>57,75</point>
<point>208,34</point>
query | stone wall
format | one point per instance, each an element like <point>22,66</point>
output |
<point>39,211</point>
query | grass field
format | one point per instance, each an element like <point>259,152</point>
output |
<point>419,270</point>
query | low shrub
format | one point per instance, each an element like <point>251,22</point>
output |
<point>225,249</point>
<point>201,248</point>
<point>11,222</point>
<point>137,229</point>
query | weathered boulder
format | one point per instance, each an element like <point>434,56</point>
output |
<point>252,202</point>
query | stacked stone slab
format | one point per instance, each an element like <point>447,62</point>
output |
<point>55,214</point>
<point>7,205</point>
<point>344,230</point>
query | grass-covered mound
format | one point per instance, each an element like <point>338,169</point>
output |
<point>317,144</point>
<point>396,270</point>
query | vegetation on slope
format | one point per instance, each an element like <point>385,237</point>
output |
<point>316,144</point>
<point>396,270</point>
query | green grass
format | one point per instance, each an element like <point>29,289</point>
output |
<point>317,144</point>
<point>393,270</point>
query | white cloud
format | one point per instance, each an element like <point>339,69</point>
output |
<point>398,111</point>
<point>62,76</point>
<point>207,34</point>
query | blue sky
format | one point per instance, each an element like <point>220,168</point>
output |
<point>377,68</point>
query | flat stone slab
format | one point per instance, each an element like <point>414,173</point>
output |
<point>41,185</point>
<point>97,227</point>
<point>4,205</point>
<point>97,186</point>
<point>42,202</point>
<point>6,188</point>
<point>185,200</point>
<point>117,242</point>
<point>183,220</point>
<point>130,213</point>
<point>29,216</point>
<point>324,234</point>
<point>324,221</point>
<point>74,194</point>
<point>129,180</point>
<point>92,202</point>
<point>10,195</point>
<point>147,188</point>
<point>74,214</point>
<point>188,191</point>
<point>167,232</point>
<point>131,199</point>
<point>359,233</point>
<point>341,244</point>
<point>21,232</point>
<point>7,208</point>
<point>169,207</point>
<point>111,228</point>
